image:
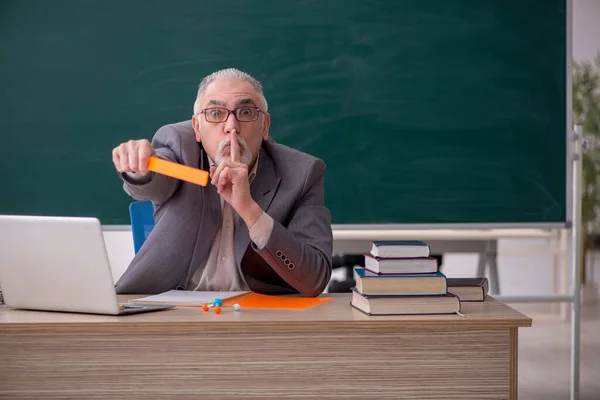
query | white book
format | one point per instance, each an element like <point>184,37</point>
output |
<point>400,248</point>
<point>421,265</point>
<point>186,297</point>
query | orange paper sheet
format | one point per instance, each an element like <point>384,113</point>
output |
<point>183,172</point>
<point>255,300</point>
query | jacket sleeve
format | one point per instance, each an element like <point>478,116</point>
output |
<point>156,187</point>
<point>301,251</point>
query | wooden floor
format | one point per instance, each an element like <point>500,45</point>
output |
<point>544,350</point>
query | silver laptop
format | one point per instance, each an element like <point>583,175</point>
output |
<point>58,264</point>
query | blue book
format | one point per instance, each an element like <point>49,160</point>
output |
<point>369,283</point>
<point>400,248</point>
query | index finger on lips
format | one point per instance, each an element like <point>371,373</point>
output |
<point>235,147</point>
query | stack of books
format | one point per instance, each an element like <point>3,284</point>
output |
<point>399,277</point>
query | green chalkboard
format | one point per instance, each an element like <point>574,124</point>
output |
<point>425,111</point>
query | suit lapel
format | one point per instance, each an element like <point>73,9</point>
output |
<point>211,222</point>
<point>262,189</point>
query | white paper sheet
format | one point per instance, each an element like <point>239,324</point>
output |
<point>186,297</point>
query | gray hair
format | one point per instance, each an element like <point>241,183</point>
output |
<point>230,73</point>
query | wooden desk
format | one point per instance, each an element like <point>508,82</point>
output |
<point>330,351</point>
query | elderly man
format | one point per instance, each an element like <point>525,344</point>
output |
<point>260,224</point>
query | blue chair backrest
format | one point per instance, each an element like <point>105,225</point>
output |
<point>141,214</point>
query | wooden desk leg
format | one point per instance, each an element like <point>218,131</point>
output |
<point>514,363</point>
<point>481,263</point>
<point>491,256</point>
<point>488,259</point>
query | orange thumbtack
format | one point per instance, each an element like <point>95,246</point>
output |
<point>217,306</point>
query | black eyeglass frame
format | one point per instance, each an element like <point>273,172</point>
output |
<point>229,112</point>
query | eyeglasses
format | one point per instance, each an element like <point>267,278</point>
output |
<point>220,114</point>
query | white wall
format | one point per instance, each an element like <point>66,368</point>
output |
<point>120,251</point>
<point>586,29</point>
<point>518,274</point>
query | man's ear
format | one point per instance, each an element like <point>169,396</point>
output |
<point>266,125</point>
<point>196,125</point>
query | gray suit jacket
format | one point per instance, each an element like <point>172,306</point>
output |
<point>288,186</point>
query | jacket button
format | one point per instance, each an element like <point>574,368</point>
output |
<point>291,266</point>
<point>279,253</point>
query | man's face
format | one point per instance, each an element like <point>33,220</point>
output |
<point>215,137</point>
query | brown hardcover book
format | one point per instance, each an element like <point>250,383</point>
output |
<point>468,289</point>
<point>405,305</point>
